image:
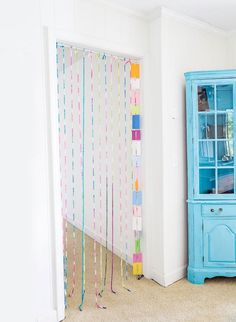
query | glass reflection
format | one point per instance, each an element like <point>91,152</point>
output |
<point>206,126</point>
<point>224,97</point>
<point>207,182</point>
<point>225,181</point>
<point>225,124</point>
<point>207,154</point>
<point>206,98</point>
<point>225,153</point>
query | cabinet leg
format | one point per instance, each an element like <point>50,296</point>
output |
<point>196,277</point>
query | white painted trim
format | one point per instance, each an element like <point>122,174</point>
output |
<point>176,275</point>
<point>48,317</point>
<point>123,9</point>
<point>54,176</point>
<point>55,35</point>
<point>88,42</point>
<point>164,11</point>
<point>193,21</point>
<point>170,278</point>
<point>157,278</point>
<point>154,14</point>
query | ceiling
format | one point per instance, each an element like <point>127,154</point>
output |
<point>218,13</point>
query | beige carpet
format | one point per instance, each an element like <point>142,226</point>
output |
<point>214,301</point>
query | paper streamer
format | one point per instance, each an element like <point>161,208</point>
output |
<point>112,173</point>
<point>69,96</point>
<point>126,179</point>
<point>93,180</point>
<point>100,167</point>
<point>106,166</point>
<point>83,194</point>
<point>61,51</point>
<point>72,171</point>
<point>65,179</point>
<point>136,149</point>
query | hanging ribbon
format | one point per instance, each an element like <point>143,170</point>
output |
<point>72,171</point>
<point>100,165</point>
<point>106,167</point>
<point>61,142</point>
<point>120,173</point>
<point>93,180</point>
<point>65,179</point>
<point>112,174</point>
<point>83,192</point>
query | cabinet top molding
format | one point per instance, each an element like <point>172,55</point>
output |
<point>216,74</point>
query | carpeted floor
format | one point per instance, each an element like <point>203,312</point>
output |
<point>214,301</point>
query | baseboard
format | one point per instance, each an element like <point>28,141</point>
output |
<point>48,317</point>
<point>91,234</point>
<point>157,277</point>
<point>170,278</point>
<point>175,276</point>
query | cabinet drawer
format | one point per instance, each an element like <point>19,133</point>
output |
<point>219,210</point>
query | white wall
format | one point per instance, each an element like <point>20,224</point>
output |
<point>23,184</point>
<point>153,120</point>
<point>232,49</point>
<point>186,46</point>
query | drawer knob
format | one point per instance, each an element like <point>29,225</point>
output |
<point>212,209</point>
<point>220,209</point>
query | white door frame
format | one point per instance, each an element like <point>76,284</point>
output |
<point>51,37</point>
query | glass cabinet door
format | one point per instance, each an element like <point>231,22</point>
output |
<point>215,127</point>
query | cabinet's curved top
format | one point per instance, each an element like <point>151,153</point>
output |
<point>227,73</point>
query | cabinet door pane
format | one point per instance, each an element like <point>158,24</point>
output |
<point>207,182</point>
<point>206,154</point>
<point>206,98</point>
<point>224,97</point>
<point>206,126</point>
<point>225,124</point>
<point>225,181</point>
<point>225,153</point>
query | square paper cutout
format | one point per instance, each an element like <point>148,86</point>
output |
<point>135,109</point>
<point>137,258</point>
<point>136,135</point>
<point>136,122</point>
<point>137,223</point>
<point>135,97</point>
<point>135,83</point>
<point>137,198</point>
<point>135,71</point>
<point>137,211</point>
<point>136,148</point>
<point>137,161</point>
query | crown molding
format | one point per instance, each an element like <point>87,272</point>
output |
<point>130,12</point>
<point>164,12</point>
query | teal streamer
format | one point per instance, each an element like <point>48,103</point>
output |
<point>83,189</point>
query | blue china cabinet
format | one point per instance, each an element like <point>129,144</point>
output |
<point>211,135</point>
